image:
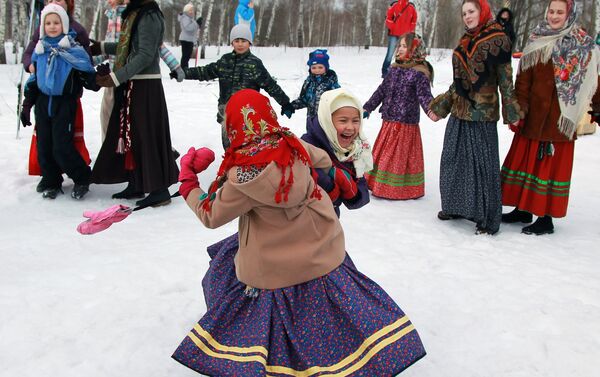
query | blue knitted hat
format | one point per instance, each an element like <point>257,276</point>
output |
<point>318,56</point>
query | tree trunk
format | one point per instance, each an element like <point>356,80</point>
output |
<point>206,28</point>
<point>300,28</point>
<point>2,31</point>
<point>329,28</point>
<point>221,27</point>
<point>267,38</point>
<point>259,21</point>
<point>368,35</point>
<point>93,30</point>
<point>77,12</point>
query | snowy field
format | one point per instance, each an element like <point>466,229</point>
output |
<point>118,303</point>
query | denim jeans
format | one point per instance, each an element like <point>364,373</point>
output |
<point>392,41</point>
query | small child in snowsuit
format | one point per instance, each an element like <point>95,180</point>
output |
<point>62,68</point>
<point>237,70</point>
<point>337,129</point>
<point>319,80</point>
<point>398,171</point>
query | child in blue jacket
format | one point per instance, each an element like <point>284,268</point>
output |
<point>319,80</point>
<point>62,69</point>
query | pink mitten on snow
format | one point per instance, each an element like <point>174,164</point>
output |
<point>99,221</point>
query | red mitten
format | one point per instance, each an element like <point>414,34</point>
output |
<point>204,157</point>
<point>187,175</point>
<point>344,182</point>
<point>515,127</point>
<point>334,194</point>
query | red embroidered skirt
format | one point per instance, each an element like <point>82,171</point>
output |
<point>535,181</point>
<point>398,169</point>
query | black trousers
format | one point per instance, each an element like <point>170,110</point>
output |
<point>55,146</point>
<point>186,52</point>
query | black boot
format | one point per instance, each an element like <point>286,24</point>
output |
<point>52,192</point>
<point>445,216</point>
<point>543,225</point>
<point>128,193</point>
<point>79,191</point>
<point>517,216</point>
<point>155,199</point>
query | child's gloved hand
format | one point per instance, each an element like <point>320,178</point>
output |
<point>95,47</point>
<point>26,113</point>
<point>366,114</point>
<point>103,69</point>
<point>287,110</point>
<point>192,163</point>
<point>177,74</point>
<point>344,182</point>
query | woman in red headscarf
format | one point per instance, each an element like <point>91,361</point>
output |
<point>284,297</point>
<point>470,166</point>
<point>557,79</point>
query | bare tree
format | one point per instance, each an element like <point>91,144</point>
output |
<point>97,14</point>
<point>206,28</point>
<point>368,31</point>
<point>271,21</point>
<point>300,27</point>
<point>2,31</point>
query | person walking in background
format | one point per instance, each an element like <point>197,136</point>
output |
<point>557,80</point>
<point>399,171</point>
<point>189,32</point>
<point>320,79</point>
<point>244,15</point>
<point>505,19</point>
<point>401,18</point>
<point>470,165</point>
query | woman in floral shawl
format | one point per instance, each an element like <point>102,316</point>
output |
<point>557,80</point>
<point>470,165</point>
<point>283,297</point>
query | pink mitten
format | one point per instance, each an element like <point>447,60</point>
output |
<point>204,157</point>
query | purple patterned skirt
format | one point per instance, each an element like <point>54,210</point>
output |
<point>340,324</point>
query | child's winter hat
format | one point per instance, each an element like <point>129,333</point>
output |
<point>240,31</point>
<point>64,19</point>
<point>318,56</point>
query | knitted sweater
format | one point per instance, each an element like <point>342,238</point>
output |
<point>400,94</point>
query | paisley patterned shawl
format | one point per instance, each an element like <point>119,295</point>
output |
<point>476,54</point>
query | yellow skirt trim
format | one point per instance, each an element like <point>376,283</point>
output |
<point>259,354</point>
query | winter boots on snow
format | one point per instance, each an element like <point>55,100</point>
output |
<point>517,216</point>
<point>543,225</point>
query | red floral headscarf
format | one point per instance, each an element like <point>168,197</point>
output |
<point>257,139</point>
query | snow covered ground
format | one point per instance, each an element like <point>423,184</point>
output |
<point>118,303</point>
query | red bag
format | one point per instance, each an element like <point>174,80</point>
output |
<point>34,166</point>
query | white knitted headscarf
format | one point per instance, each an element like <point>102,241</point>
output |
<point>359,152</point>
<point>64,18</point>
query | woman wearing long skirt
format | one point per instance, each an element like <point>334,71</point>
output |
<point>558,76</point>
<point>137,148</point>
<point>289,301</point>
<point>470,165</point>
